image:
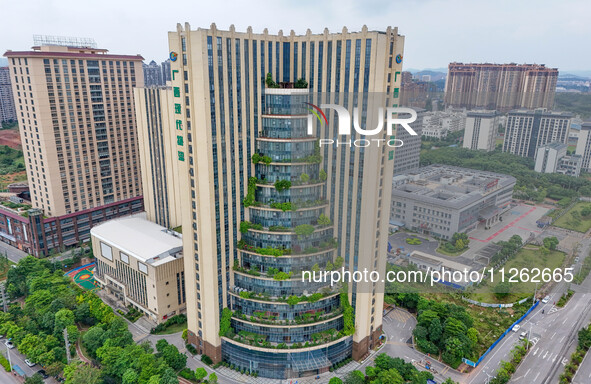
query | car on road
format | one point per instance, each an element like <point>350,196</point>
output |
<point>545,300</point>
<point>29,363</point>
<point>43,373</point>
<point>516,328</point>
<point>576,259</point>
<point>522,335</point>
<point>9,344</point>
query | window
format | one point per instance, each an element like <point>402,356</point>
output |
<point>142,267</point>
<point>124,258</point>
<point>106,251</point>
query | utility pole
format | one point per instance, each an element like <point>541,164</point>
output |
<point>67,344</point>
<point>8,354</point>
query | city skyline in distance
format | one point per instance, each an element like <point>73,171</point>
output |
<point>519,36</point>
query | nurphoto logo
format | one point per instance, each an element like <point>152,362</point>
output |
<point>344,125</point>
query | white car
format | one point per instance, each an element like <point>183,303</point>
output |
<point>545,300</point>
<point>9,344</point>
<point>29,363</point>
<point>522,335</point>
<point>516,328</point>
<point>576,259</point>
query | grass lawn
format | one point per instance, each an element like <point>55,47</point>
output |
<point>175,328</point>
<point>526,258</point>
<point>447,253</point>
<point>499,140</point>
<point>490,322</point>
<point>579,224</point>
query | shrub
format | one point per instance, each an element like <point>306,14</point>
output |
<point>293,300</point>
<point>225,322</point>
<point>304,177</point>
<point>186,373</point>
<point>282,185</point>
<point>322,175</point>
<point>206,359</point>
<point>191,349</point>
<point>323,220</point>
<point>304,230</point>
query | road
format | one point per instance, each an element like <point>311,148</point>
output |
<point>17,358</point>
<point>398,326</point>
<point>14,254</point>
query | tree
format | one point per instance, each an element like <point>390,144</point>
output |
<point>551,242</point>
<point>225,321</point>
<point>355,377</point>
<point>169,377</point>
<point>200,373</point>
<point>391,376</point>
<point>93,339</point>
<point>304,177</point>
<point>323,220</point>
<point>213,378</point>
<point>335,380</point>
<point>81,373</point>
<point>502,290</point>
<point>35,379</point>
<point>322,175</point>
<point>435,330</point>
<point>304,230</point>
<point>130,377</point>
<point>173,357</point>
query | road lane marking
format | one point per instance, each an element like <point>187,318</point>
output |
<point>527,372</point>
<point>553,336</point>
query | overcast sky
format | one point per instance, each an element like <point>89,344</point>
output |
<point>555,33</point>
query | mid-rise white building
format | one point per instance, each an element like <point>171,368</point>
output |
<point>481,130</point>
<point>553,158</point>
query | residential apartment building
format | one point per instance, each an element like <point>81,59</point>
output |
<point>7,109</point>
<point>140,264</point>
<point>158,156</point>
<point>165,71</point>
<point>440,200</point>
<point>527,130</point>
<point>235,221</point>
<point>76,119</point>
<point>481,130</point>
<point>407,157</point>
<point>584,146</point>
<point>500,87</point>
<point>152,74</point>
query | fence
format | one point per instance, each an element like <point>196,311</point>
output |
<point>475,364</point>
<point>489,305</point>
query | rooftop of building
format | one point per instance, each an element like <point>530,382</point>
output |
<point>451,186</point>
<point>457,65</point>
<point>55,51</point>
<point>482,113</point>
<point>138,237</point>
<point>540,111</point>
<point>558,146</point>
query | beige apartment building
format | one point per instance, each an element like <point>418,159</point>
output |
<point>501,87</point>
<point>140,263</point>
<point>76,116</point>
<point>158,155</point>
<point>224,114</point>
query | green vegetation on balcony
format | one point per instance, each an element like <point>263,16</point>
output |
<point>268,251</point>
<point>257,158</point>
<point>282,185</point>
<point>251,272</point>
<point>250,195</point>
<point>323,220</point>
<point>246,225</point>
<point>348,317</point>
<point>322,175</point>
<point>279,276</point>
<point>304,230</point>
<point>283,206</point>
<point>225,322</point>
<point>279,228</point>
<point>269,81</point>
<point>324,336</point>
<point>301,83</point>
<point>304,318</point>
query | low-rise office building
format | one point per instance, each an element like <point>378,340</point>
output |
<point>140,263</point>
<point>440,200</point>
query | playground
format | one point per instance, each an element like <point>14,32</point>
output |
<point>84,276</point>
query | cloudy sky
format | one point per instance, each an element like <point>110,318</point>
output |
<point>555,33</point>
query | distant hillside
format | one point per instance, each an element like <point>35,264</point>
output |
<point>571,77</point>
<point>577,103</point>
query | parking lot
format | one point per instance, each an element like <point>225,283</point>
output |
<point>18,359</point>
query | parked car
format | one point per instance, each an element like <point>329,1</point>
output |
<point>9,344</point>
<point>516,328</point>
<point>43,373</point>
<point>29,363</point>
<point>576,259</point>
<point>522,335</point>
<point>545,300</point>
